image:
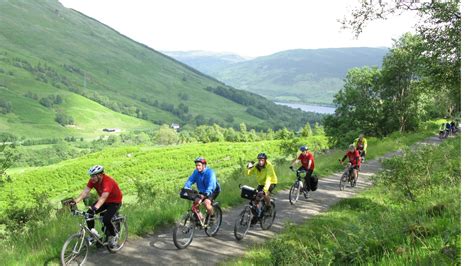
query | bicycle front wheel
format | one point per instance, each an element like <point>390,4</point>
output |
<point>242,224</point>
<point>75,249</point>
<point>212,229</point>
<point>342,183</point>
<point>183,232</point>
<point>295,192</point>
<point>267,220</point>
<point>121,234</point>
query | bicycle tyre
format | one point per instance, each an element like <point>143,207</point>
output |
<point>342,182</point>
<point>242,223</point>
<point>75,239</point>
<point>121,229</point>
<point>294,194</point>
<point>185,225</point>
<point>267,221</point>
<point>215,229</point>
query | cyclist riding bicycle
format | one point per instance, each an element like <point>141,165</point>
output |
<point>266,178</point>
<point>207,185</point>
<point>110,200</point>
<point>361,145</point>
<point>307,163</point>
<point>354,159</point>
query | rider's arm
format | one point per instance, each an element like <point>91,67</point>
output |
<point>344,158</point>
<point>84,194</point>
<point>102,199</point>
<point>191,180</point>
<point>271,175</point>
<point>294,161</point>
<point>251,171</point>
<point>212,184</point>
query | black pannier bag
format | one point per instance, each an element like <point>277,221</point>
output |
<point>247,192</point>
<point>188,194</point>
<point>313,183</point>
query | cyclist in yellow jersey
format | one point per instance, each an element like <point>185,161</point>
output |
<point>360,144</point>
<point>266,177</point>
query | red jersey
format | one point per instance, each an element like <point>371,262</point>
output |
<point>353,157</point>
<point>305,160</point>
<point>107,185</point>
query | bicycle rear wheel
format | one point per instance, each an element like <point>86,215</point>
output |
<point>267,220</point>
<point>242,224</point>
<point>183,232</point>
<point>121,233</point>
<point>75,249</point>
<point>214,228</point>
<point>295,192</point>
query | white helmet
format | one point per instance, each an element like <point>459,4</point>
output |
<point>96,169</point>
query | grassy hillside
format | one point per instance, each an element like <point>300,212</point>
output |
<point>47,49</point>
<point>384,226</point>
<point>311,76</point>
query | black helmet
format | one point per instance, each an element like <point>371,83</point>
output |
<point>200,160</point>
<point>262,155</point>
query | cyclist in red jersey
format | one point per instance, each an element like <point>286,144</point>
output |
<point>354,158</point>
<point>307,163</point>
<point>110,199</point>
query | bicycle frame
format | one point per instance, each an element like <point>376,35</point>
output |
<point>85,229</point>
<point>197,213</point>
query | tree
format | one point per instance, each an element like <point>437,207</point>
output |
<point>358,107</point>
<point>166,135</point>
<point>307,132</point>
<point>400,88</point>
<point>5,107</point>
<point>440,31</point>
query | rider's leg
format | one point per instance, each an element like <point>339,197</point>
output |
<point>111,210</point>
<point>266,197</point>
<point>91,223</point>
<point>307,179</point>
<point>208,205</point>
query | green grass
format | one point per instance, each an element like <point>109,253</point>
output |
<point>161,172</point>
<point>382,226</point>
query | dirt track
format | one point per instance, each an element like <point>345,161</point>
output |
<point>160,250</point>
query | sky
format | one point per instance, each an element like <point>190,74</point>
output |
<point>249,28</point>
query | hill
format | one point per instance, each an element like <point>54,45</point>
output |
<point>104,79</point>
<point>310,76</point>
<point>206,62</point>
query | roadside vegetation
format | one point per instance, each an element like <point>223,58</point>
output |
<point>411,216</point>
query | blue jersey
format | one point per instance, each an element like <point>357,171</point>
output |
<point>206,181</point>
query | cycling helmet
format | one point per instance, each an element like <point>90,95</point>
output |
<point>351,147</point>
<point>200,160</point>
<point>304,148</point>
<point>96,169</point>
<point>262,155</point>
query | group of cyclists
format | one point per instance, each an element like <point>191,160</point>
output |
<point>448,129</point>
<point>110,195</point>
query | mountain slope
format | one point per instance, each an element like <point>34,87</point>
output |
<point>207,62</point>
<point>49,50</point>
<point>312,76</point>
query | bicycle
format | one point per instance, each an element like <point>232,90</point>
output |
<point>253,213</point>
<point>183,232</point>
<point>348,176</point>
<point>299,187</point>
<point>76,247</point>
